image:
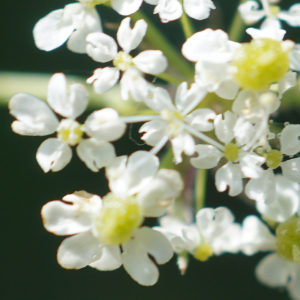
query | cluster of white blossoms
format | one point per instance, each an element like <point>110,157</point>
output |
<point>238,141</point>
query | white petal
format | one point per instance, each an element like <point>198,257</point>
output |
<point>256,236</point>
<point>78,251</point>
<point>70,106</point>
<point>274,271</point>
<point>133,83</point>
<point>289,139</point>
<point>227,89</point>
<point>198,10</point>
<point>161,99</point>
<point>187,99</point>
<point>224,127</point>
<point>135,259</point>
<point>286,203</point>
<point>64,219</point>
<point>291,169</point>
<point>209,45</point>
<point>294,283</point>
<point>129,38</point>
<point>154,131</point>
<point>104,124</point>
<point>128,179</point>
<point>268,32</point>
<point>110,259</point>
<point>251,165</point>
<point>288,81</point>
<point>168,10</point>
<point>208,157</point>
<point>160,193</point>
<point>295,58</point>
<point>96,154</point>
<point>229,175</point>
<point>55,28</point>
<point>213,222</point>
<point>126,7</point>
<point>184,142</point>
<point>151,62</point>
<point>87,22</point>
<point>199,119</point>
<point>243,131</point>
<point>104,79</point>
<point>270,23</point>
<point>101,47</point>
<point>262,189</point>
<point>250,13</point>
<point>292,16</point>
<point>53,155</point>
<point>34,116</point>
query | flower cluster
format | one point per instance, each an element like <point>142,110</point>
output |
<point>238,141</point>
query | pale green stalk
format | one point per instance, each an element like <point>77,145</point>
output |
<point>237,27</point>
<point>158,40</point>
<point>200,188</point>
<point>186,24</point>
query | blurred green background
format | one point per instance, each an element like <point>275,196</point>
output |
<point>28,253</point>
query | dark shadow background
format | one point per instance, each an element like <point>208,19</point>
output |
<point>28,253</point>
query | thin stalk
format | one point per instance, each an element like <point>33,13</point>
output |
<point>139,118</point>
<point>187,26</point>
<point>200,188</point>
<point>159,40</point>
<point>169,78</point>
<point>237,27</point>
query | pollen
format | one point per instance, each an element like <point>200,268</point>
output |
<point>288,240</point>
<point>232,152</point>
<point>258,64</point>
<point>274,158</point>
<point>203,252</point>
<point>123,61</point>
<point>117,220</point>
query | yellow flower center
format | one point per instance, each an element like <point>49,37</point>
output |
<point>258,64</point>
<point>92,3</point>
<point>274,10</point>
<point>117,220</point>
<point>288,240</point>
<point>231,152</point>
<point>174,118</point>
<point>274,158</point>
<point>123,61</point>
<point>70,132</point>
<point>203,252</point>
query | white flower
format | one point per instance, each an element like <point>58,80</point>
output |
<point>214,233</point>
<point>252,14</point>
<point>103,48</point>
<point>213,52</point>
<point>241,163</point>
<point>170,10</point>
<point>172,120</point>
<point>100,228</point>
<point>35,117</point>
<point>73,23</point>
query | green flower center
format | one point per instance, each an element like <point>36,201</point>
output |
<point>274,158</point>
<point>288,240</point>
<point>174,119</point>
<point>203,252</point>
<point>231,152</point>
<point>70,132</point>
<point>123,61</point>
<point>258,64</point>
<point>274,10</point>
<point>117,220</point>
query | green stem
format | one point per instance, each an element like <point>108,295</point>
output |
<point>159,40</point>
<point>237,27</point>
<point>200,188</point>
<point>168,78</point>
<point>186,24</point>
